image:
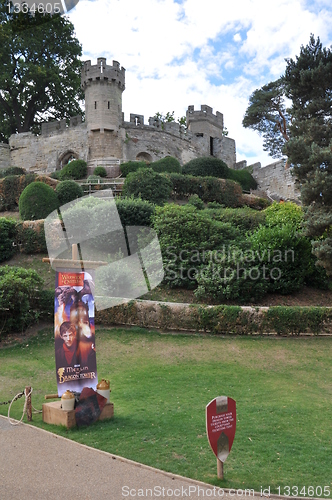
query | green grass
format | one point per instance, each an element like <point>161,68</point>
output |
<point>162,383</point>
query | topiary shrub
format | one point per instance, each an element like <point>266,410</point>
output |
<point>31,236</point>
<point>243,177</point>
<point>131,166</point>
<point>76,169</point>
<point>11,188</point>
<point>12,171</point>
<point>206,166</point>
<point>56,175</point>
<point>37,201</point>
<point>7,238</point>
<point>68,191</point>
<point>134,211</point>
<point>101,171</point>
<point>167,164</point>
<point>19,291</point>
<point>148,185</point>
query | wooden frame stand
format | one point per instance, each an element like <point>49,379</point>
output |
<point>54,414</point>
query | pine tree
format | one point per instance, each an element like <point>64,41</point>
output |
<point>308,83</point>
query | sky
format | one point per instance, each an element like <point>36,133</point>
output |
<point>191,52</point>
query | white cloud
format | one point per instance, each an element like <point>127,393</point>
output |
<point>192,53</point>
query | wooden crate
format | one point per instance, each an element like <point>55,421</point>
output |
<point>54,414</point>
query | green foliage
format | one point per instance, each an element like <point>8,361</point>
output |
<point>36,50</point>
<point>11,188</point>
<point>11,171</point>
<point>19,289</point>
<point>76,169</point>
<point>209,189</point>
<point>285,254</point>
<point>206,167</point>
<point>131,166</point>
<point>68,191</point>
<point>245,218</point>
<point>100,171</point>
<point>37,201</point>
<point>232,275</point>
<point>185,236</point>
<point>167,164</point>
<point>148,185</point>
<point>195,201</point>
<point>279,214</point>
<point>135,212</point>
<point>296,320</point>
<point>31,237</point>
<point>56,175</point>
<point>244,178</point>
<point>267,115</point>
<point>7,238</point>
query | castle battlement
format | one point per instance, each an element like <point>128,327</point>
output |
<point>204,114</point>
<point>102,72</point>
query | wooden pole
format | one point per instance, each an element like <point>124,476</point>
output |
<point>220,469</point>
<point>29,407</point>
<point>74,252</point>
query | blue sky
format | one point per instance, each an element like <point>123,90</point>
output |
<point>191,52</point>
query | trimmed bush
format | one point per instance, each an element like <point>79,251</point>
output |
<point>131,166</point>
<point>244,178</point>
<point>37,201</point>
<point>206,167</point>
<point>224,191</point>
<point>185,236</point>
<point>135,212</point>
<point>56,175</point>
<point>31,236</point>
<point>11,188</point>
<point>11,171</point>
<point>148,185</point>
<point>19,291</point>
<point>76,169</point>
<point>7,238</point>
<point>101,171</point>
<point>245,218</point>
<point>68,191</point>
<point>168,164</point>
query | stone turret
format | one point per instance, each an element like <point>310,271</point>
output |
<point>204,121</point>
<point>103,86</point>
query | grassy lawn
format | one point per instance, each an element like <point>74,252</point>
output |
<point>162,383</point>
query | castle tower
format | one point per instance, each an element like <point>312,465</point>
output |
<point>103,86</point>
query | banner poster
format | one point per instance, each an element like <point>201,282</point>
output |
<point>74,330</point>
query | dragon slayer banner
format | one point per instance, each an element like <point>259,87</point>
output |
<point>74,330</point>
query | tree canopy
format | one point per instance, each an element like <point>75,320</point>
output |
<point>267,115</point>
<point>40,70</point>
<point>307,136</point>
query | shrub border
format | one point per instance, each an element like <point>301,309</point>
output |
<point>238,320</point>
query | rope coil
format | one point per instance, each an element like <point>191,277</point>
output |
<point>19,395</point>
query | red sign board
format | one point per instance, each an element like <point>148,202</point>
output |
<point>221,425</point>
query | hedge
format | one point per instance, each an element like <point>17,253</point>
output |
<point>220,319</point>
<point>11,188</point>
<point>7,238</point>
<point>226,192</point>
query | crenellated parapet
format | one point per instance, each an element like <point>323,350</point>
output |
<point>102,72</point>
<point>204,114</point>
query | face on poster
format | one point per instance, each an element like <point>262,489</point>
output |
<point>74,330</point>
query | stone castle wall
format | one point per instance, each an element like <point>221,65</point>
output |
<point>45,152</point>
<point>276,181</point>
<point>4,156</point>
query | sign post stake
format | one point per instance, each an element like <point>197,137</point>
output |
<point>220,469</point>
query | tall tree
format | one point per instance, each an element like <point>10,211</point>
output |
<point>267,115</point>
<point>40,70</point>
<point>308,84</point>
<point>303,132</point>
